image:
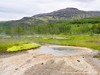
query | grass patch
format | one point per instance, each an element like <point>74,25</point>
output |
<point>23,47</point>
<point>96,56</point>
<point>88,41</point>
<point>12,44</point>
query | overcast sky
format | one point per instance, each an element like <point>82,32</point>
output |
<point>16,9</point>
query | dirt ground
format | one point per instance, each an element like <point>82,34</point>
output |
<point>33,62</point>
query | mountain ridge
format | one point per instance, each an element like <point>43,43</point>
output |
<point>59,15</point>
<point>66,11</point>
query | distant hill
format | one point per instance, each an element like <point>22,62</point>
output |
<point>59,15</point>
<point>86,26</point>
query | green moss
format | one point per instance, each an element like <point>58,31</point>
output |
<point>96,56</point>
<point>23,47</point>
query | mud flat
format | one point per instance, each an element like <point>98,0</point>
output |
<point>51,60</point>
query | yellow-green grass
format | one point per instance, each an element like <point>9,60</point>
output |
<point>92,42</point>
<point>23,47</point>
<point>6,43</point>
<point>45,38</point>
<point>10,42</point>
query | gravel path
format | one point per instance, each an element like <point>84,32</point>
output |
<point>33,62</point>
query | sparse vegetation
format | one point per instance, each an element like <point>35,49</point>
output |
<point>97,56</point>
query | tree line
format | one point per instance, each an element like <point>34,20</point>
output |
<point>82,26</point>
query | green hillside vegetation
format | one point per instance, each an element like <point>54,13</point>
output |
<point>79,26</point>
<point>81,32</point>
<point>93,20</point>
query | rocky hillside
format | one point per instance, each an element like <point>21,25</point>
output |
<point>63,14</point>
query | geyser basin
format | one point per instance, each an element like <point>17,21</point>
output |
<point>59,50</point>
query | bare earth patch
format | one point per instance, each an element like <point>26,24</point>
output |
<point>33,62</point>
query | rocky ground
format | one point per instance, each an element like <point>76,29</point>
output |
<point>33,62</point>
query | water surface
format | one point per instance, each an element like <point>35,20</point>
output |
<point>58,51</point>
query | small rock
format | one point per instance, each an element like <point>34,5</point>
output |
<point>34,56</point>
<point>42,63</point>
<point>78,60</point>
<point>16,68</point>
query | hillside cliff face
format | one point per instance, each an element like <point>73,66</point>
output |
<point>63,14</point>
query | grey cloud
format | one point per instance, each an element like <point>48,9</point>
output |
<point>11,10</point>
<point>83,0</point>
<point>15,9</point>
